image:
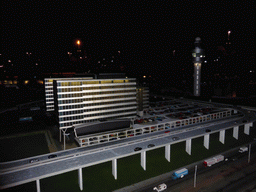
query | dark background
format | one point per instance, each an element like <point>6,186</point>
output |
<point>145,32</point>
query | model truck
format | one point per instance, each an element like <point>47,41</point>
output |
<point>214,160</point>
<point>179,174</point>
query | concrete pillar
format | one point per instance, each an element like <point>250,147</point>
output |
<point>114,168</point>
<point>188,146</point>
<point>222,136</point>
<point>80,179</point>
<point>143,160</point>
<point>247,128</point>
<point>235,132</point>
<point>168,152</point>
<point>38,185</point>
<point>206,141</point>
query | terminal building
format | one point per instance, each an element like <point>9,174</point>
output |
<point>80,100</point>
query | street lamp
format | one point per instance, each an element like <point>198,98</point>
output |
<point>78,42</point>
<point>229,34</point>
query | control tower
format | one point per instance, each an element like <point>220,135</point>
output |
<point>198,55</point>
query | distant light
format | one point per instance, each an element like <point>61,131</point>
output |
<point>103,58</point>
<point>81,57</point>
<point>250,71</point>
<point>205,61</point>
<point>112,61</point>
<point>1,65</point>
<point>144,76</point>
<point>36,63</point>
<point>217,59</point>
<point>9,61</point>
<point>78,42</point>
<point>98,61</point>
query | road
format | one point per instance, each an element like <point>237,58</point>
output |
<point>82,157</point>
<point>225,176</point>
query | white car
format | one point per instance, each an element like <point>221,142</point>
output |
<point>243,149</point>
<point>160,187</point>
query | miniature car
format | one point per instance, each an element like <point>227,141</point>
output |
<point>33,160</point>
<point>137,149</point>
<point>151,145</point>
<point>52,156</point>
<point>160,187</point>
<point>175,138</point>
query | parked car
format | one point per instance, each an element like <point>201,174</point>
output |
<point>33,160</point>
<point>243,149</point>
<point>160,187</point>
<point>175,138</point>
<point>52,156</point>
<point>151,145</point>
<point>137,149</point>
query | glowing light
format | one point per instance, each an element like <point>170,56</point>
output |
<point>78,42</point>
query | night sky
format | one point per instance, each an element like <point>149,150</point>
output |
<point>146,32</point>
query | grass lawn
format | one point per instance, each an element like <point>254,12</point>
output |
<point>23,146</point>
<point>129,171</point>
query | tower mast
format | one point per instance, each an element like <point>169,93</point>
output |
<point>198,55</point>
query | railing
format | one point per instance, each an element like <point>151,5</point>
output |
<point>110,136</point>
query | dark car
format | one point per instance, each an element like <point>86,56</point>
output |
<point>167,131</point>
<point>151,145</point>
<point>33,160</point>
<point>208,130</point>
<point>52,156</point>
<point>137,149</point>
<point>175,138</point>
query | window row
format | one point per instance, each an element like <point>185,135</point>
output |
<point>110,97</point>
<point>70,101</point>
<point>108,87</point>
<point>109,92</point>
<point>71,107</point>
<point>79,83</point>
<point>109,103</point>
<point>69,124</point>
<point>94,115</point>
<point>94,109</point>
<point>70,95</point>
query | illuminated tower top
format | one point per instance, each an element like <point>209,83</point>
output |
<point>198,52</point>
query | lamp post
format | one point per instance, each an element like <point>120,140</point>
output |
<point>229,34</point>
<point>78,45</point>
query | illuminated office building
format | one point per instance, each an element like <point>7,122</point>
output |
<point>84,100</point>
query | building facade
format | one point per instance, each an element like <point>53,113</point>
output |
<point>83,100</point>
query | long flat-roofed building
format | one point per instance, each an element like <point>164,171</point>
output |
<point>83,100</point>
